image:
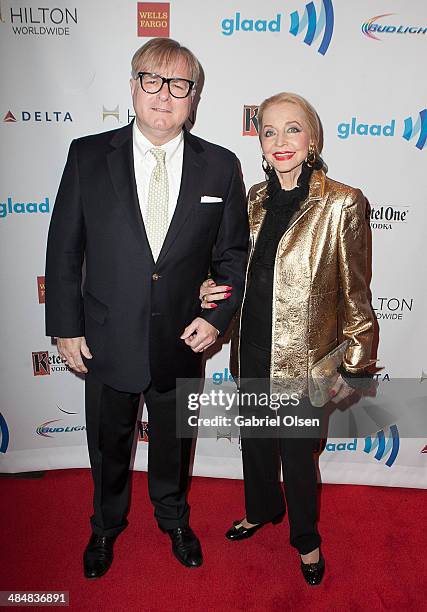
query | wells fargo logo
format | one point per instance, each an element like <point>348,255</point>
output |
<point>153,19</point>
<point>41,289</point>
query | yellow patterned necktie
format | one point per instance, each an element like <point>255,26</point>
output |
<point>158,202</point>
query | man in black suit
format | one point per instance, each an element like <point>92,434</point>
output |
<point>149,209</point>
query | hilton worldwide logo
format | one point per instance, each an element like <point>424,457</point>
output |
<point>41,21</point>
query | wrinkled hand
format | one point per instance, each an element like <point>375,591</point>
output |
<point>71,350</point>
<point>341,390</point>
<point>199,335</point>
<point>210,292</point>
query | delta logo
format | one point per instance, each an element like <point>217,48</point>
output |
<point>153,19</point>
<point>26,116</point>
<point>45,364</point>
<point>41,289</point>
<point>315,24</point>
<point>410,129</point>
<point>10,207</point>
<point>371,27</point>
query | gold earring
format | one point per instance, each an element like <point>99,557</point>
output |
<point>312,155</point>
<point>266,166</point>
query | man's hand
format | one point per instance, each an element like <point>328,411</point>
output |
<point>71,350</point>
<point>199,335</point>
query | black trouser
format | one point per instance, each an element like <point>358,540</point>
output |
<point>264,499</point>
<point>110,422</point>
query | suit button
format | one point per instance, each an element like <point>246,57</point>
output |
<point>155,276</point>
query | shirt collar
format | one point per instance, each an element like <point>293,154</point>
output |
<point>143,145</point>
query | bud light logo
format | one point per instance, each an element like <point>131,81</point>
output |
<point>371,28</point>
<point>46,429</point>
<point>315,24</point>
<point>409,129</point>
<point>384,448</point>
<point>4,433</point>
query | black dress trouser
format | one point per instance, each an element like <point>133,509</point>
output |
<point>110,426</point>
<point>264,499</point>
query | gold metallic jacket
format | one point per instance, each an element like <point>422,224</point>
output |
<point>320,294</point>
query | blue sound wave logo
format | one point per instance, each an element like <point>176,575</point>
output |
<point>4,431</point>
<point>383,446</point>
<point>314,25</point>
<point>419,128</point>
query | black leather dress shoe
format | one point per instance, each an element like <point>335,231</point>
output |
<point>98,556</point>
<point>243,533</point>
<point>313,572</point>
<point>185,546</point>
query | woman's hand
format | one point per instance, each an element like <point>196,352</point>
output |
<point>210,292</point>
<point>340,391</point>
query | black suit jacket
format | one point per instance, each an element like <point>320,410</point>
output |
<point>133,310</point>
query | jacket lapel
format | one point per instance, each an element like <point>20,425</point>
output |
<point>315,193</point>
<point>190,190</point>
<point>121,168</point>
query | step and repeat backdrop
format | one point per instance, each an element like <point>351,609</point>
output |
<point>65,73</point>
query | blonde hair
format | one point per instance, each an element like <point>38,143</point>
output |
<point>312,118</point>
<point>159,52</point>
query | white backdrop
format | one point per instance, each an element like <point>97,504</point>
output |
<point>65,72</point>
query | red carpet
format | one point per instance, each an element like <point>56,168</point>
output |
<point>374,542</point>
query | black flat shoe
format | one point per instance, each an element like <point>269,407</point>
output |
<point>98,556</point>
<point>185,546</point>
<point>243,533</point>
<point>313,572</point>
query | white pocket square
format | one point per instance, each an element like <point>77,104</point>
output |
<point>209,199</point>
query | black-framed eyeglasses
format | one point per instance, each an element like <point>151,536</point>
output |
<point>152,83</point>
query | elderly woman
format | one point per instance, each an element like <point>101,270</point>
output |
<point>306,291</point>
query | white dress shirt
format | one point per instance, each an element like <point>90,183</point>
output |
<point>145,162</point>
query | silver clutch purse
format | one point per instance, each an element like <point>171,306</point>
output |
<point>323,375</point>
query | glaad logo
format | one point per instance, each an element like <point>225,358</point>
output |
<point>410,129</point>
<point>39,117</point>
<point>310,23</point>
<point>370,28</point>
<point>42,21</point>
<point>392,308</point>
<point>420,127</point>
<point>4,431</point>
<point>383,447</point>
<point>9,207</point>
<point>219,377</point>
<point>314,26</point>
